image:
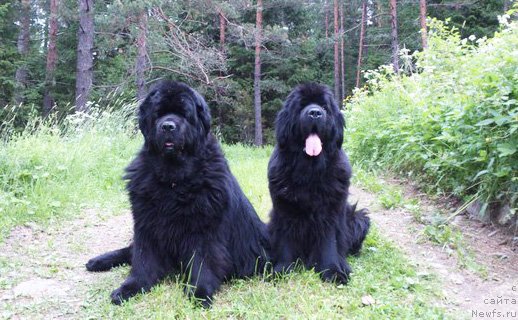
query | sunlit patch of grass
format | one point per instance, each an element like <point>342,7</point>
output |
<point>53,170</point>
<point>381,271</point>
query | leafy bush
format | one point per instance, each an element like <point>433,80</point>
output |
<point>453,124</point>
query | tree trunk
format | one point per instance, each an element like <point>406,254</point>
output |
<point>422,18</point>
<point>342,62</point>
<point>22,74</point>
<point>258,139</point>
<point>379,14</point>
<point>326,21</point>
<point>84,69</point>
<point>52,57</point>
<point>140,62</point>
<point>395,43</point>
<point>360,45</point>
<point>336,65</point>
<point>222,29</point>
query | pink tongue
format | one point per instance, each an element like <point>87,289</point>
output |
<point>313,145</point>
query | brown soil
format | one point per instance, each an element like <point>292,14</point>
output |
<point>43,270</point>
<point>465,292</point>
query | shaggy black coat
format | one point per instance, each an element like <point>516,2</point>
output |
<point>311,220</point>
<point>190,215</point>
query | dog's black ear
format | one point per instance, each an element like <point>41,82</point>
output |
<point>202,110</point>
<point>146,110</point>
<point>283,128</point>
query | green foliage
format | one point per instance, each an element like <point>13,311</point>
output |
<point>454,124</point>
<point>391,198</point>
<point>50,170</point>
<point>8,53</point>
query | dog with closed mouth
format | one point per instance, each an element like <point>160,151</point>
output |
<point>189,212</point>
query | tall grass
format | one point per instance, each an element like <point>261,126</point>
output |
<point>452,125</point>
<point>55,167</point>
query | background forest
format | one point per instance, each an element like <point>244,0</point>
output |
<point>60,56</point>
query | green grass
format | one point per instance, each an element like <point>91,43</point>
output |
<point>51,173</point>
<point>381,272</point>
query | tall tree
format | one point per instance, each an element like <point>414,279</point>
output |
<point>222,29</point>
<point>22,73</point>
<point>140,61</point>
<point>326,21</point>
<point>258,138</point>
<point>362,40</point>
<point>336,65</point>
<point>52,57</point>
<point>422,19</point>
<point>342,58</point>
<point>85,43</point>
<point>393,34</point>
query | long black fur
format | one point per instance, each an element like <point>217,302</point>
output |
<point>311,220</point>
<point>190,215</point>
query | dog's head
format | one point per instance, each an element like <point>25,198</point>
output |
<point>173,118</point>
<point>310,121</point>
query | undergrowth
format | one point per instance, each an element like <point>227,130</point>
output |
<point>451,123</point>
<point>54,168</point>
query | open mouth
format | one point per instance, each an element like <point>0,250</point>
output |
<point>313,145</point>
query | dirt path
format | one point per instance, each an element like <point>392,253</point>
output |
<point>465,292</point>
<point>42,272</point>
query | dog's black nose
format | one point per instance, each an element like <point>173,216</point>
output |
<point>315,113</point>
<point>168,126</point>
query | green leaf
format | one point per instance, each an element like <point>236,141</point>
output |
<point>485,122</point>
<point>506,149</point>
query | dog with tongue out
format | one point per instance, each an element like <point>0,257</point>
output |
<point>311,222</point>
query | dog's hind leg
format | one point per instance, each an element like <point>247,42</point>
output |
<point>111,259</point>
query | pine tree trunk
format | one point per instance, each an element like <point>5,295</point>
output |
<point>395,43</point>
<point>336,65</point>
<point>85,42</point>
<point>342,62</point>
<point>326,21</point>
<point>360,45</point>
<point>140,62</point>
<point>22,74</point>
<point>379,14</point>
<point>222,29</point>
<point>422,18</point>
<point>258,139</point>
<point>52,58</point>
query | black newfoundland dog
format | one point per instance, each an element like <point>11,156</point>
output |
<point>190,215</point>
<point>309,176</point>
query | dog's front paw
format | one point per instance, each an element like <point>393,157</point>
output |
<point>283,268</point>
<point>124,292</point>
<point>336,276</point>
<point>97,264</point>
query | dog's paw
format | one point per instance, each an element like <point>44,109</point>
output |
<point>123,293</point>
<point>117,296</point>
<point>335,276</point>
<point>283,268</point>
<point>97,265</point>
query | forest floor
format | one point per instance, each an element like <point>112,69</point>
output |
<point>42,272</point>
